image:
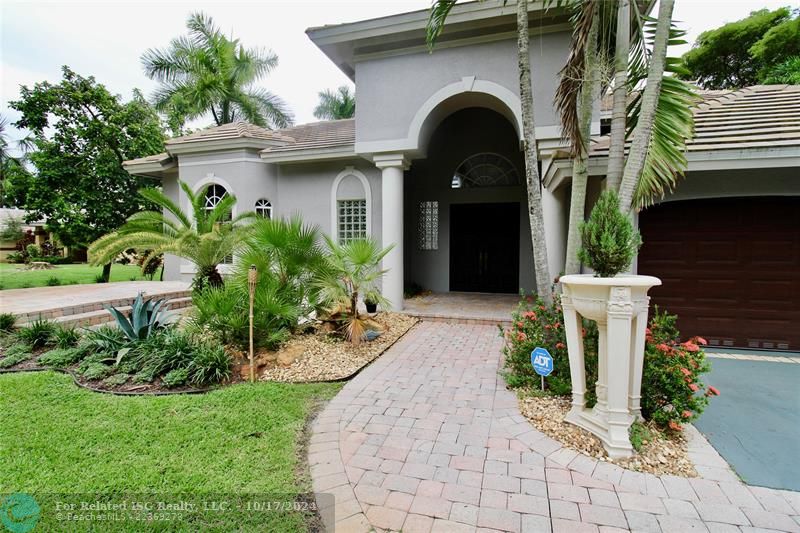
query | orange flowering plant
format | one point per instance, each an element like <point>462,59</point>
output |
<point>536,324</point>
<point>672,391</point>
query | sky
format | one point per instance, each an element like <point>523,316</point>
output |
<point>106,38</point>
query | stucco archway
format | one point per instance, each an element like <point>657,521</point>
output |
<point>469,92</point>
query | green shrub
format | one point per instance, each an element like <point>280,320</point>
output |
<point>210,364</point>
<point>38,333</point>
<point>106,339</point>
<point>15,354</point>
<point>65,336</point>
<point>639,435</point>
<point>166,350</point>
<point>672,392</point>
<point>94,371</point>
<point>16,258</point>
<point>100,278</point>
<point>7,322</point>
<point>609,241</point>
<point>176,378</point>
<point>53,281</point>
<point>117,379</point>
<point>61,357</point>
<point>33,251</point>
<point>535,324</point>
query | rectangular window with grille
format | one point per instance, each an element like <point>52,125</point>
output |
<point>352,220</point>
<point>428,220</point>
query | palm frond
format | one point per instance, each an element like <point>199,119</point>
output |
<point>272,107</point>
<point>438,15</point>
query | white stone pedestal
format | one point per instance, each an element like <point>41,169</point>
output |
<point>619,306</point>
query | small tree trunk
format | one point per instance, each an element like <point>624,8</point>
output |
<point>580,165</point>
<point>644,127</point>
<point>616,148</point>
<point>106,272</point>
<point>535,213</point>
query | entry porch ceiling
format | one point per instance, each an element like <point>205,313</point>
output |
<point>346,44</point>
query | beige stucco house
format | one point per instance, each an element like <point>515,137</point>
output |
<point>432,163</point>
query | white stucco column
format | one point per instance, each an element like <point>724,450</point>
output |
<point>392,167</point>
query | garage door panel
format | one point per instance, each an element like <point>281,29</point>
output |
<point>730,268</point>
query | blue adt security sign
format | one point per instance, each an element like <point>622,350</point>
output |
<point>542,361</point>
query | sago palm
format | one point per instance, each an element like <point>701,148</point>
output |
<point>206,237</point>
<point>335,105</point>
<point>206,72</point>
<point>353,269</point>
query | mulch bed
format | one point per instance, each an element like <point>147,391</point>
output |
<point>322,356</point>
<point>664,454</point>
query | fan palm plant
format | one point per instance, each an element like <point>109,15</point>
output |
<point>206,238</point>
<point>205,71</point>
<point>335,105</point>
<point>353,269</point>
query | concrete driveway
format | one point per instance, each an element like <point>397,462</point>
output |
<point>755,423</point>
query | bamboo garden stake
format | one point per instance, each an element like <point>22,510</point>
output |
<point>252,277</point>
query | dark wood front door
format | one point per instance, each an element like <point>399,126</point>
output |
<point>730,268</point>
<point>484,247</point>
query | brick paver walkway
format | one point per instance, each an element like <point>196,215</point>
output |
<point>428,439</point>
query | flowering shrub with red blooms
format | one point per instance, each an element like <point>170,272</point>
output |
<point>534,324</point>
<point>672,392</point>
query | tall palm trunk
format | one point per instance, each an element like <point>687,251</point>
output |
<point>535,213</point>
<point>580,164</point>
<point>644,127</point>
<point>616,149</point>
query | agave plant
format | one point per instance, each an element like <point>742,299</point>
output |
<point>146,316</point>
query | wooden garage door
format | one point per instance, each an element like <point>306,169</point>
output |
<point>730,268</point>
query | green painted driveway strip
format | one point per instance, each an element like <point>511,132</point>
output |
<point>755,423</point>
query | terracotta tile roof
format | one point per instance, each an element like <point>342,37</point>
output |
<point>156,158</point>
<point>761,116</point>
<point>317,135</point>
<point>233,130</point>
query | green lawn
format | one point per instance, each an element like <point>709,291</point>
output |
<point>57,438</point>
<point>12,277</point>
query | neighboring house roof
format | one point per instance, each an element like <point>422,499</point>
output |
<point>7,213</point>
<point>327,139</point>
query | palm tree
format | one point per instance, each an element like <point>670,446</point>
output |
<point>353,269</point>
<point>335,105</point>
<point>436,21</point>
<point>207,238</point>
<point>12,165</point>
<point>205,71</point>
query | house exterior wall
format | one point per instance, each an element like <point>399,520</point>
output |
<point>397,80</point>
<point>305,189</point>
<point>466,133</point>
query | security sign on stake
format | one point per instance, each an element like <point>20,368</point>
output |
<point>542,361</point>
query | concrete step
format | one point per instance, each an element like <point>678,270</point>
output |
<point>95,316</point>
<point>88,308</point>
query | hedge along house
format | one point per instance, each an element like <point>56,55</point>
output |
<point>432,161</point>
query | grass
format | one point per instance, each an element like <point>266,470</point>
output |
<point>243,439</point>
<point>11,277</point>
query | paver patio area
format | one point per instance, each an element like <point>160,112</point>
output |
<point>428,439</point>
<point>39,299</point>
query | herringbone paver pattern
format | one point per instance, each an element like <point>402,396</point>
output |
<point>428,439</point>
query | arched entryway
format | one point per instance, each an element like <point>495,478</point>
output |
<point>466,225</point>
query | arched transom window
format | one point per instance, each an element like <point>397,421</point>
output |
<point>214,195</point>
<point>485,170</point>
<point>264,208</point>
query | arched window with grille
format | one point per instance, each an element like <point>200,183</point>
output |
<point>214,195</point>
<point>264,208</point>
<point>485,170</point>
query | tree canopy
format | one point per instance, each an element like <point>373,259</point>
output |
<point>207,72</point>
<point>761,48</point>
<point>81,136</point>
<point>335,105</point>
